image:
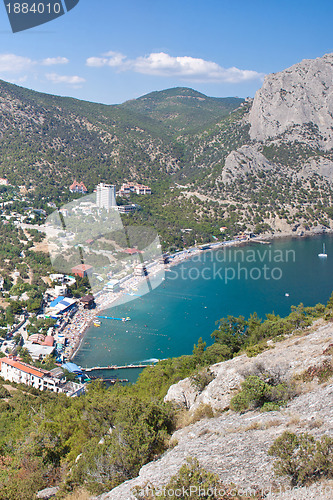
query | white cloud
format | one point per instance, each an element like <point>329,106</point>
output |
<point>66,79</point>
<point>185,67</point>
<point>51,61</point>
<point>109,59</point>
<point>11,63</point>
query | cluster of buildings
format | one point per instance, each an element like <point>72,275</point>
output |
<point>106,195</point>
<point>106,198</point>
<point>14,370</point>
<point>131,187</point>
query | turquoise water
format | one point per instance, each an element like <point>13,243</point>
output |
<point>170,319</point>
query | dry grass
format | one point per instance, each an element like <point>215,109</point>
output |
<point>272,423</point>
<point>80,494</point>
<point>294,421</point>
<point>315,424</point>
<point>203,411</point>
<point>173,442</point>
<point>254,426</point>
<point>185,417</point>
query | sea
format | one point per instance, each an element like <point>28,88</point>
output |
<point>196,293</point>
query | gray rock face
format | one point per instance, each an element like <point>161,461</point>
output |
<point>47,493</point>
<point>293,98</point>
<point>245,160</point>
<point>288,358</point>
<point>321,166</point>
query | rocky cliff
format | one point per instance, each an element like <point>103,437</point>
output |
<point>296,101</point>
<point>234,445</point>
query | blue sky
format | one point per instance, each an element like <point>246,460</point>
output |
<point>110,51</point>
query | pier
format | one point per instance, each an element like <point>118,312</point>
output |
<point>117,319</point>
<point>115,367</point>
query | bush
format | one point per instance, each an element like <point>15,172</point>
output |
<point>323,372</point>
<point>203,411</point>
<point>302,457</point>
<point>195,482</point>
<point>270,407</point>
<point>202,379</point>
<point>4,393</point>
<point>256,393</point>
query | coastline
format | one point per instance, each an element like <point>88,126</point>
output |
<point>83,319</point>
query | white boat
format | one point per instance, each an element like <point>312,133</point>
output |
<point>323,255</point>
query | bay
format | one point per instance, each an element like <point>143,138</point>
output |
<point>196,293</point>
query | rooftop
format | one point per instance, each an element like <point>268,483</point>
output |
<point>23,367</point>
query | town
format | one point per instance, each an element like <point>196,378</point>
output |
<point>42,313</point>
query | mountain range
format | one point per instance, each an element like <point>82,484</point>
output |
<point>262,164</point>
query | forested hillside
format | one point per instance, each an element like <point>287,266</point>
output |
<point>210,162</point>
<point>103,438</point>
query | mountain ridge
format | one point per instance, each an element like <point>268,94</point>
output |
<point>246,165</point>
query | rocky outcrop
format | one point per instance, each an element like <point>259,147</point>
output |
<point>297,102</point>
<point>235,446</point>
<point>286,359</point>
<point>245,160</point>
<point>320,166</point>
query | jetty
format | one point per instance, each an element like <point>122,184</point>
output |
<point>117,319</point>
<point>115,367</point>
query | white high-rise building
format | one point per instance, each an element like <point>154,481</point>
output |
<point>106,196</point>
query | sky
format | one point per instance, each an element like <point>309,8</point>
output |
<point>111,51</point>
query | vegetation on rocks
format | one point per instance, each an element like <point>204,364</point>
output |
<point>263,394</point>
<point>302,457</point>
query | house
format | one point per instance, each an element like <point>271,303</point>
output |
<point>131,187</point>
<point>113,286</point>
<point>82,270</point>
<point>132,251</point>
<point>60,305</point>
<point>140,270</point>
<point>78,187</point>
<point>88,301</point>
<point>38,351</point>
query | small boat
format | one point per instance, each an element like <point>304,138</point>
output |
<point>286,294</point>
<point>323,255</point>
<point>97,323</point>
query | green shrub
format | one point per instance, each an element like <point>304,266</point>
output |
<point>256,393</point>
<point>270,407</point>
<point>302,458</point>
<point>202,379</point>
<point>4,393</point>
<point>191,475</point>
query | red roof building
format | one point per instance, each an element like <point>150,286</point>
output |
<point>83,270</point>
<point>22,373</point>
<point>22,367</point>
<point>78,187</point>
<point>132,251</point>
